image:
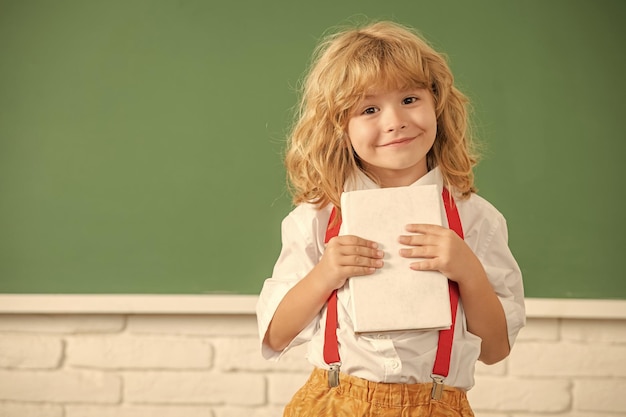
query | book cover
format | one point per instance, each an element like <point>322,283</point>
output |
<point>395,297</point>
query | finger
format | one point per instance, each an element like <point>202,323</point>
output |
<point>362,261</point>
<point>425,265</point>
<point>351,240</point>
<point>418,252</point>
<point>414,240</point>
<point>423,228</point>
<point>356,271</point>
<point>420,239</point>
<point>362,251</point>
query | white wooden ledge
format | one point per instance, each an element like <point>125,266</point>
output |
<point>245,304</point>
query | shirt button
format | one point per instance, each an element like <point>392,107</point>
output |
<point>393,364</point>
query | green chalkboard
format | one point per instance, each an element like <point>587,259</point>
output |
<point>141,141</point>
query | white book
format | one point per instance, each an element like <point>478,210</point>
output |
<point>395,297</point>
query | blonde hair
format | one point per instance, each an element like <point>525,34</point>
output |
<point>346,65</point>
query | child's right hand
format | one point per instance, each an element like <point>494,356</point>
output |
<point>348,256</point>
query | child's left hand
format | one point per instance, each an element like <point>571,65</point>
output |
<point>442,249</point>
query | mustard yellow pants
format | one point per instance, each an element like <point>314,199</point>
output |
<point>355,397</point>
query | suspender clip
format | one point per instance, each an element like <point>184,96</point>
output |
<point>333,374</point>
<point>437,391</point>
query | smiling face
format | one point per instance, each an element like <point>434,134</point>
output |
<point>391,132</point>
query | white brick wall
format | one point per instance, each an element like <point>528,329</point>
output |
<point>209,365</point>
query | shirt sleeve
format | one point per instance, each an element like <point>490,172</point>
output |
<point>301,250</point>
<point>505,276</point>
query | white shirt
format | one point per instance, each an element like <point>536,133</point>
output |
<point>393,357</point>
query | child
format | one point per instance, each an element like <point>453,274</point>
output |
<point>379,109</point>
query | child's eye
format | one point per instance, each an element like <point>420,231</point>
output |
<point>410,100</point>
<point>370,110</point>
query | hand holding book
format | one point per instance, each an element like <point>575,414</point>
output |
<point>440,249</point>
<point>348,256</point>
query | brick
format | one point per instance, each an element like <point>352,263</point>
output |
<point>529,415</point>
<point>282,386</point>
<point>30,410</point>
<point>136,352</point>
<point>569,414</point>
<point>61,323</point>
<point>539,329</point>
<point>594,331</point>
<point>568,359</point>
<point>483,414</point>
<point>138,411</point>
<point>195,388</point>
<point>602,395</point>
<point>267,411</point>
<point>510,395</point>
<point>30,352</point>
<point>60,387</point>
<point>215,325</point>
<point>235,354</point>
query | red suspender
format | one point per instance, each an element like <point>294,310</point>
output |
<point>444,347</point>
<point>331,345</point>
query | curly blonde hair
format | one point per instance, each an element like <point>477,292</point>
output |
<point>345,66</point>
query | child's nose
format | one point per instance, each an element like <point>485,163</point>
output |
<point>394,121</point>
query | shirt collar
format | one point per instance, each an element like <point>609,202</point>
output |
<point>360,181</point>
